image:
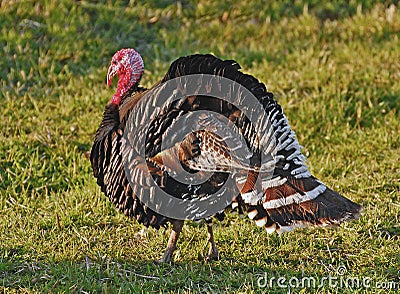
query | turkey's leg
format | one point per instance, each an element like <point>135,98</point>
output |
<point>213,253</point>
<point>173,238</point>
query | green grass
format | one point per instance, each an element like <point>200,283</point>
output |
<point>335,69</point>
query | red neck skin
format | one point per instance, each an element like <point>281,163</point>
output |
<point>125,82</point>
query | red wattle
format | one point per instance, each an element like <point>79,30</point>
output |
<point>116,99</point>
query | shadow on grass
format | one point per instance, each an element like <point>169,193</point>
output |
<point>109,275</point>
<point>235,272</point>
<point>20,271</point>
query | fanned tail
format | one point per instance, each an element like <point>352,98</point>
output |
<point>300,203</point>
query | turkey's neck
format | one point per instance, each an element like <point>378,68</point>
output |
<point>116,100</point>
<point>120,93</point>
<point>126,84</point>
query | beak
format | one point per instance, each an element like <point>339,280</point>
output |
<point>110,74</point>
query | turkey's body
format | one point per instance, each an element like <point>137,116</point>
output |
<point>286,197</point>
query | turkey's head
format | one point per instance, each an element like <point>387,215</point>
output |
<point>128,65</point>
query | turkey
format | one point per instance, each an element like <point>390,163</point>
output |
<point>200,121</point>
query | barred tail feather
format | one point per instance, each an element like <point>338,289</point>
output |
<point>301,203</point>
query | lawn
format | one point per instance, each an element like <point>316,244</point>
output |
<point>334,68</point>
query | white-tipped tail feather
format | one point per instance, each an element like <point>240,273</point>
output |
<point>300,203</point>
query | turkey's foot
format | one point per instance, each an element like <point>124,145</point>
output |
<point>213,253</point>
<point>173,238</point>
<point>166,258</point>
